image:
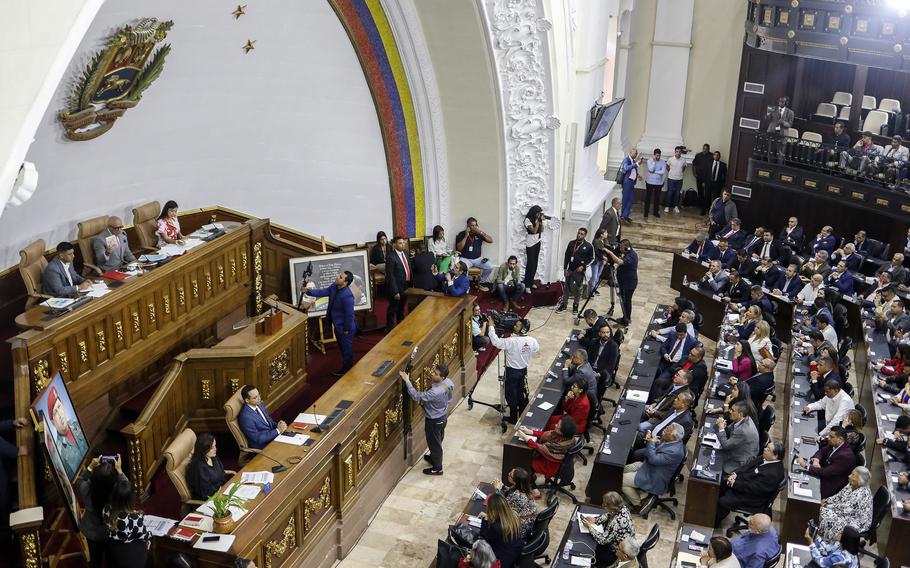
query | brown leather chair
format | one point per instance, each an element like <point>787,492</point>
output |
<point>177,457</point>
<point>231,412</point>
<point>87,231</point>
<point>145,220</point>
<point>31,267</point>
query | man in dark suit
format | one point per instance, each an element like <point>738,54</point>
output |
<point>791,284</point>
<point>603,355</point>
<point>592,334</point>
<point>695,364</point>
<point>663,405</point>
<point>861,244</point>
<point>610,222</point>
<point>626,277</point>
<point>702,248</point>
<point>761,381</point>
<point>340,313</point>
<point>791,236</point>
<point>832,463</point>
<point>397,280</point>
<point>768,248</point>
<point>579,254</point>
<point>726,254</point>
<point>896,268</point>
<point>744,265</point>
<point>675,346</point>
<point>753,243</point>
<point>733,233</point>
<point>751,487</point>
<point>848,254</point>
<point>60,278</point>
<point>736,290</point>
<point>780,117</point>
<point>680,414</point>
<point>254,420</point>
<point>701,166</point>
<point>824,240</point>
<point>424,275</point>
<point>717,176</point>
<point>455,283</point>
<point>768,274</point>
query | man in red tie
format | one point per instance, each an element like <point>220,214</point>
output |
<point>397,281</point>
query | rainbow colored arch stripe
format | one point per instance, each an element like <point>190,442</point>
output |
<point>371,35</point>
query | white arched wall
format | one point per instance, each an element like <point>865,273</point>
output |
<point>288,131</point>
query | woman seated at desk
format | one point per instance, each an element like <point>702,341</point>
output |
<point>551,446</point>
<point>168,226</point>
<point>611,528</point>
<point>843,553</point>
<point>520,494</point>
<point>747,325</point>
<point>739,392</point>
<point>576,404</point>
<point>501,528</point>
<point>743,365</point>
<point>205,473</point>
<point>852,506</point>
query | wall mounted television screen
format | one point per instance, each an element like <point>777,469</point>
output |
<point>601,120</point>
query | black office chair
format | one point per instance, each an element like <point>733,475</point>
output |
<point>769,393</point>
<point>772,562</point>
<point>538,541</point>
<point>860,446</point>
<point>881,503</point>
<point>740,523</point>
<point>663,502</point>
<point>862,410</point>
<point>594,421</point>
<point>699,321</point>
<point>566,474</point>
<point>846,344</point>
<point>650,542</point>
<point>766,419</point>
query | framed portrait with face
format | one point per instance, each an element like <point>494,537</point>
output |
<point>54,406</point>
<point>326,269</point>
<point>63,482</point>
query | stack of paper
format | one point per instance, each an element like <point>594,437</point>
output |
<point>202,522</point>
<point>244,491</point>
<point>295,440</point>
<point>257,477</point>
<point>57,303</point>
<point>222,544</point>
<point>545,405</point>
<point>637,395</point>
<point>98,289</point>
<point>158,526</point>
<point>309,418</point>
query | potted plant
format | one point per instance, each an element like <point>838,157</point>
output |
<point>221,509</point>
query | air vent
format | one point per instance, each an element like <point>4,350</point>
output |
<point>749,123</point>
<point>755,88</point>
<point>741,191</point>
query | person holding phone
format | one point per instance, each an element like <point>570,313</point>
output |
<point>94,485</point>
<point>129,539</point>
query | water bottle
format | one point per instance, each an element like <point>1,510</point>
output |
<point>606,444</point>
<point>713,459</point>
<point>567,551</point>
<point>685,280</point>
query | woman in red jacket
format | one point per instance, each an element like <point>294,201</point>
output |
<point>575,404</point>
<point>551,446</point>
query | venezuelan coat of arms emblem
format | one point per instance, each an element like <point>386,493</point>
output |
<point>115,78</point>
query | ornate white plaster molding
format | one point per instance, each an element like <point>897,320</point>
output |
<point>418,67</point>
<point>519,44</point>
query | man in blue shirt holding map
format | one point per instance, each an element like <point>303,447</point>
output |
<point>340,311</point>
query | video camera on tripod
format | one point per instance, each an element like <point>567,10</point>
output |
<point>505,322</point>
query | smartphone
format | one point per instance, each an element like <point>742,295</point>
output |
<point>110,459</point>
<point>212,538</point>
<point>812,528</point>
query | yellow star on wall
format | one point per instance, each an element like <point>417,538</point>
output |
<point>240,11</point>
<point>250,45</point>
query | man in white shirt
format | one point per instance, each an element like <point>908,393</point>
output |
<point>685,317</point>
<point>518,350</point>
<point>809,292</point>
<point>835,404</point>
<point>676,165</point>
<point>824,325</point>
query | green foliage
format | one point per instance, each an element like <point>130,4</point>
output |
<point>149,73</point>
<point>222,502</point>
<point>83,81</point>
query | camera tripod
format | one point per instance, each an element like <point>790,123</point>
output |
<point>500,407</point>
<point>609,276</point>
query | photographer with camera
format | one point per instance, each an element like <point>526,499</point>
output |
<point>469,244</point>
<point>579,253</point>
<point>626,277</point>
<point>518,350</point>
<point>509,286</point>
<point>534,224</point>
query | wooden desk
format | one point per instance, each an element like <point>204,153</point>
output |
<point>516,453</point>
<point>319,507</point>
<point>606,472</point>
<point>583,544</point>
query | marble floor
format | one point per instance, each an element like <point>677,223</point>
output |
<point>405,529</point>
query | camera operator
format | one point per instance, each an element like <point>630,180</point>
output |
<point>626,277</point>
<point>534,224</point>
<point>518,350</point>
<point>579,253</point>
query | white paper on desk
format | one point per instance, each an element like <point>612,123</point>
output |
<point>733,318</point>
<point>697,536</point>
<point>245,491</point>
<point>295,440</point>
<point>474,521</point>
<point>58,303</point>
<point>479,495</point>
<point>688,558</point>
<point>205,523</point>
<point>802,492</point>
<point>257,477</point>
<point>98,289</point>
<point>637,395</point>
<point>545,405</point>
<point>213,227</point>
<point>158,526</point>
<point>581,560</point>
<point>191,243</point>
<point>310,418</point>
<point>581,526</point>
<point>223,543</point>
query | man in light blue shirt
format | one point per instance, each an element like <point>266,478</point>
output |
<point>754,548</point>
<point>435,403</point>
<point>654,182</point>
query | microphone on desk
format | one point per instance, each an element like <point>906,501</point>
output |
<point>316,429</point>
<point>275,469</point>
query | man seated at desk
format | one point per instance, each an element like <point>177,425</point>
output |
<point>679,414</point>
<point>758,546</point>
<point>454,283</point>
<point>703,249</point>
<point>744,265</point>
<point>897,442</point>
<point>809,292</point>
<point>655,474</point>
<point>832,463</point>
<point>761,381</point>
<point>60,279</point>
<point>254,420</point>
<point>754,484</point>
<point>848,254</point>
<point>791,285</point>
<point>111,247</point>
<point>695,364</point>
<point>663,402</point>
<point>591,335</point>
<point>736,291</point>
<point>686,317</point>
<point>836,401</point>
<point>675,345</point>
<point>715,279</point>
<point>579,369</point>
<point>758,298</point>
<point>726,254</point>
<point>816,265</point>
<point>740,443</point>
<point>768,274</point>
<point>841,278</point>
